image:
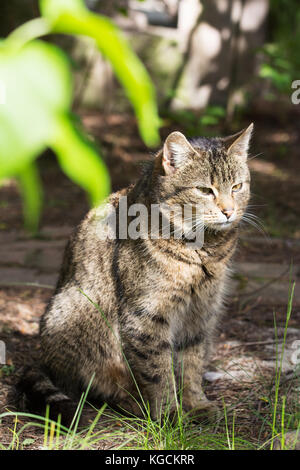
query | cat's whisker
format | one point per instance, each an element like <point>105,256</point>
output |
<point>255,156</point>
<point>254,224</point>
<point>195,229</point>
<point>254,218</point>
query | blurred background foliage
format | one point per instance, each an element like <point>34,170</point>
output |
<point>282,64</point>
<point>203,64</point>
<point>37,96</point>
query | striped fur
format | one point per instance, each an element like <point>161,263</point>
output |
<point>159,301</point>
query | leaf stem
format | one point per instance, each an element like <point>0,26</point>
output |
<point>32,195</point>
<point>28,31</point>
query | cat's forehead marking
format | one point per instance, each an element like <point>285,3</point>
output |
<point>212,165</point>
<point>220,168</point>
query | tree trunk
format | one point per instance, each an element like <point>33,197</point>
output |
<point>222,55</point>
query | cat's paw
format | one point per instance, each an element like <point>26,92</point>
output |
<point>132,407</point>
<point>203,411</point>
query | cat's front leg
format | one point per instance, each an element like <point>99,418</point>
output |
<point>158,384</point>
<point>151,360</point>
<point>190,364</point>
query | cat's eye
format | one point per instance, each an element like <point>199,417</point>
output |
<point>205,191</point>
<point>237,187</point>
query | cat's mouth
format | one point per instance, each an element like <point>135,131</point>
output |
<point>220,225</point>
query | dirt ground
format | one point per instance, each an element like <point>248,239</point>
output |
<point>243,367</point>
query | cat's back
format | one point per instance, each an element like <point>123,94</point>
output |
<point>88,253</point>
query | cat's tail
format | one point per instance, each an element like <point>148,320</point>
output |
<point>35,391</point>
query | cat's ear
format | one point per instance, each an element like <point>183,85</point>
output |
<point>238,144</point>
<point>175,152</point>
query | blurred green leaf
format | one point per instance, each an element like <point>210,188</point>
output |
<point>184,115</point>
<point>52,9</point>
<point>71,17</point>
<point>280,79</point>
<point>282,58</point>
<point>208,120</point>
<point>32,193</point>
<point>36,90</point>
<point>217,111</point>
<point>35,115</point>
<point>37,85</point>
<point>79,160</point>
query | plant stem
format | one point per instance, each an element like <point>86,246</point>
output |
<point>28,31</point>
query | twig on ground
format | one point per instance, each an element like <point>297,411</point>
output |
<point>26,284</point>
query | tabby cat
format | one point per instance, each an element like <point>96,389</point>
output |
<point>139,314</point>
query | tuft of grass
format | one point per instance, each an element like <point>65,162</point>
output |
<point>280,417</point>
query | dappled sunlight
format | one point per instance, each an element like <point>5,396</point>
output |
<point>254,15</point>
<point>210,39</point>
<point>268,168</point>
<point>281,137</point>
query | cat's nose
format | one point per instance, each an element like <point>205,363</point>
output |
<point>228,212</point>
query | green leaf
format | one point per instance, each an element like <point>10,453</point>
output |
<point>80,161</point>
<point>53,9</point>
<point>217,111</point>
<point>280,79</point>
<point>37,87</point>
<point>35,114</point>
<point>32,195</point>
<point>71,17</point>
<point>207,120</point>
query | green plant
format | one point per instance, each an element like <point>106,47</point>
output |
<point>199,125</point>
<point>279,424</point>
<point>36,92</point>
<point>282,59</point>
<point>7,370</point>
<point>121,432</point>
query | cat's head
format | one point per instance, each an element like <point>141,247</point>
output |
<point>210,172</point>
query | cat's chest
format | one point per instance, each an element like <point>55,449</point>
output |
<point>183,283</point>
<point>199,273</point>
<point>200,301</point>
